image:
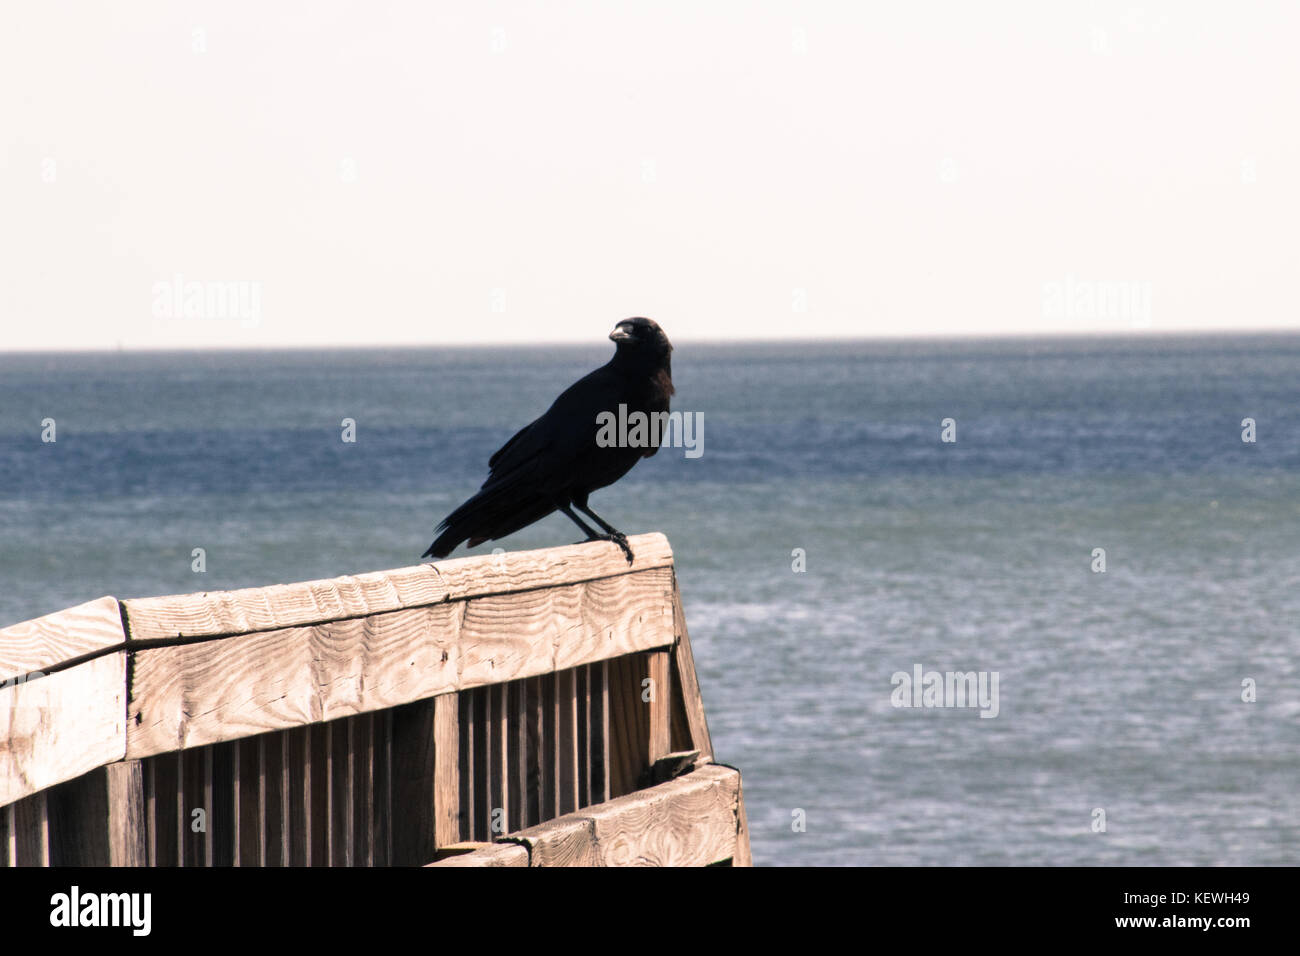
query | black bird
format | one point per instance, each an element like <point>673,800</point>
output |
<point>555,462</point>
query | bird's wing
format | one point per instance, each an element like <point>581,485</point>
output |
<point>550,445</point>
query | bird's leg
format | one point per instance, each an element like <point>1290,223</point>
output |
<point>617,537</point>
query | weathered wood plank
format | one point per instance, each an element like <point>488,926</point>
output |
<point>127,827</point>
<point>203,693</point>
<point>488,854</point>
<point>689,821</point>
<point>245,791</point>
<point>567,732</point>
<point>510,636</point>
<point>313,602</point>
<point>60,726</point>
<point>196,694</point>
<point>44,642</point>
<point>566,841</point>
<point>660,706</point>
<point>687,683</point>
<point>446,755</point>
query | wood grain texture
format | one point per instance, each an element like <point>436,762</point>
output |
<point>195,694</point>
<point>661,701</point>
<point>62,725</point>
<point>127,830</point>
<point>446,754</point>
<point>511,636</point>
<point>690,821</point>
<point>489,854</point>
<point>44,642</point>
<point>213,613</point>
<point>566,841</point>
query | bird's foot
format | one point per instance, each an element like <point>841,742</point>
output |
<point>618,538</point>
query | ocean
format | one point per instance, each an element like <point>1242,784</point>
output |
<point>827,540</point>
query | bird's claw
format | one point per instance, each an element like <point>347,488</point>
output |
<point>618,538</point>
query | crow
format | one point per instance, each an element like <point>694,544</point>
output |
<point>554,463</point>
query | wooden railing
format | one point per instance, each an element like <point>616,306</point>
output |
<point>532,708</point>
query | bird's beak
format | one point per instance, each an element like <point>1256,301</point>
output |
<point>619,334</point>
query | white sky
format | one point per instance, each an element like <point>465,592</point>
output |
<point>509,172</point>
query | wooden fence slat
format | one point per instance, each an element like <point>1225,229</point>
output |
<point>340,795</point>
<point>381,784</point>
<point>31,823</point>
<point>246,790</point>
<point>127,825</point>
<point>567,732</point>
<point>221,802</point>
<point>548,714</point>
<point>193,791</point>
<point>482,766</point>
<point>8,837</point>
<point>602,725</point>
<point>361,738</point>
<point>660,706</point>
<point>79,811</point>
<point>297,796</point>
<point>319,804</point>
<point>582,726</point>
<point>534,754</point>
<point>468,774</point>
<point>446,773</point>
<point>517,776</point>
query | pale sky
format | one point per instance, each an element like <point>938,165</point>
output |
<point>453,172</point>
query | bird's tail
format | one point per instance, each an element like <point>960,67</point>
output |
<point>494,512</point>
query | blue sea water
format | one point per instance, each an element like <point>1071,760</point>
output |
<point>1119,691</point>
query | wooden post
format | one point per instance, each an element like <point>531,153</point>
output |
<point>692,705</point>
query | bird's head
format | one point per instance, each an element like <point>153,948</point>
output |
<point>640,336</point>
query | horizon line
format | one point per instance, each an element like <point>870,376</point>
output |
<point>706,341</point>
